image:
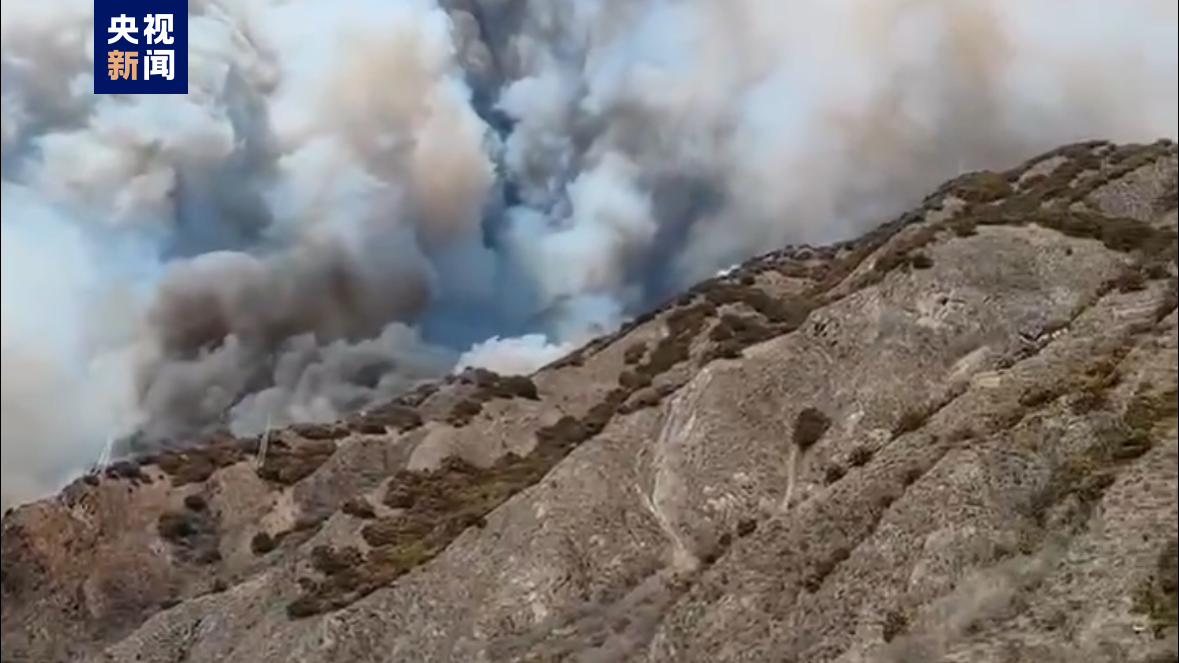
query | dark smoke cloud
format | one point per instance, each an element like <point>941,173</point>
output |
<point>357,195</point>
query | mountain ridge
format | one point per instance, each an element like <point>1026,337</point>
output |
<point>874,363</point>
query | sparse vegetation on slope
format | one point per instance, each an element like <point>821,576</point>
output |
<point>417,515</point>
<point>704,323</point>
<point>1158,598</point>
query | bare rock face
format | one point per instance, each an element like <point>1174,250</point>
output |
<point>951,440</point>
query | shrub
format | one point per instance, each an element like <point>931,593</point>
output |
<point>810,425</point>
<point>860,456</point>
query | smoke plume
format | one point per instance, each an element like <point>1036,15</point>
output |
<point>358,195</point>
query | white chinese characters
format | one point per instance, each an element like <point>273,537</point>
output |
<point>160,63</point>
<point>122,25</point>
<point>157,29</point>
<point>159,25</point>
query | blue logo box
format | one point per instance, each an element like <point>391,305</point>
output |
<point>141,46</point>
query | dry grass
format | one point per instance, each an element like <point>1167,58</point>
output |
<point>1083,478</point>
<point>1158,597</point>
<point>22,572</point>
<point>486,387</point>
<point>287,464</point>
<point>911,419</point>
<point>719,319</point>
<point>193,532</point>
<point>434,508</point>
<point>379,421</point>
<point>197,463</point>
<point>358,507</point>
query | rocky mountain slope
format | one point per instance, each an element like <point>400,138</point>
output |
<point>951,440</point>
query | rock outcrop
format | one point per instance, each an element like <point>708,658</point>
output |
<point>953,439</point>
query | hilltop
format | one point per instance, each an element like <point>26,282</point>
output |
<point>953,439</point>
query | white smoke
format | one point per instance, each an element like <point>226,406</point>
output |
<point>356,194</point>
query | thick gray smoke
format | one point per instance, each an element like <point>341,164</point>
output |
<point>356,195</point>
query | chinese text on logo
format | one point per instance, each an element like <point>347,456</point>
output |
<point>141,46</point>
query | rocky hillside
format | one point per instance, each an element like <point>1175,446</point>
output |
<point>951,440</point>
